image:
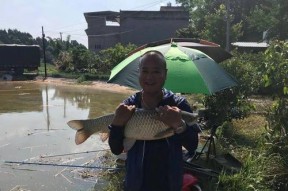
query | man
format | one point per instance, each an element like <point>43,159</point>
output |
<point>154,165</point>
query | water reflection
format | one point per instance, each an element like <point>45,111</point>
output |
<point>33,121</point>
<point>16,98</point>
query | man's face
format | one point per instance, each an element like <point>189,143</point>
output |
<point>152,75</point>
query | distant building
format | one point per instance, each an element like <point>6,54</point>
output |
<point>107,28</point>
<point>250,46</point>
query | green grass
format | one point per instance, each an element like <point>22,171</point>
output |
<point>49,68</point>
<point>263,168</point>
<point>84,78</point>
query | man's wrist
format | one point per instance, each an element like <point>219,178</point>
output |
<point>111,126</point>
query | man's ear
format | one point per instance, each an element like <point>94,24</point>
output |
<point>166,71</point>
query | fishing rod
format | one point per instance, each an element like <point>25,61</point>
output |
<point>63,165</point>
<point>66,154</point>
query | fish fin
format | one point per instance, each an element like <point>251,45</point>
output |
<point>104,136</point>
<point>189,118</point>
<point>82,134</point>
<point>165,132</point>
<point>122,156</point>
<point>128,144</point>
<point>75,124</point>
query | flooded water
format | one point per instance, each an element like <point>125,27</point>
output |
<point>33,131</point>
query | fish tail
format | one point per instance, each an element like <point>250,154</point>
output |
<point>82,133</point>
<point>75,124</point>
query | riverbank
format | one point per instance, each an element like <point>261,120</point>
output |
<point>100,85</point>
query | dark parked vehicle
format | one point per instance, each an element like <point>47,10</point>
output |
<point>15,58</point>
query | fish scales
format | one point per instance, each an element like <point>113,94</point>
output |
<point>144,126</point>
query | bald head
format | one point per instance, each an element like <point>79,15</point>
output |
<point>153,56</point>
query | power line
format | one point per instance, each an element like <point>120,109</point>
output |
<point>67,26</point>
<point>148,5</point>
<point>135,12</point>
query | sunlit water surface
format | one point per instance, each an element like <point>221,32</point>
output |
<point>33,129</point>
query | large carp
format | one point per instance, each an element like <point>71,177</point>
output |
<point>143,125</point>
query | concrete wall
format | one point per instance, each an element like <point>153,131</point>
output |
<point>101,36</point>
<point>142,27</point>
<point>136,27</point>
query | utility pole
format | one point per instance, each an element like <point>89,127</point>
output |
<point>227,25</point>
<point>61,36</point>
<point>44,53</point>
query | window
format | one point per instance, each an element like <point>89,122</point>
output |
<point>97,46</point>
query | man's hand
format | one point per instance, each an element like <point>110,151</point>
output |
<point>122,114</point>
<point>171,116</point>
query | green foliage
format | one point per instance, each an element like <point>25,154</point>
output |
<point>277,120</point>
<point>83,60</point>
<point>55,46</point>
<point>215,27</point>
<point>51,69</point>
<point>249,19</point>
<point>256,73</point>
<point>247,68</point>
<point>275,78</point>
<point>70,56</point>
<point>226,105</point>
<point>110,57</point>
<point>15,37</point>
<point>233,103</point>
<point>276,65</point>
<point>64,62</point>
<point>76,59</point>
<point>260,18</point>
<point>81,78</point>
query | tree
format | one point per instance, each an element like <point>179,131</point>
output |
<point>208,21</point>
<point>276,68</point>
<point>83,59</point>
<point>215,27</point>
<point>110,57</point>
<point>64,62</point>
<point>13,36</point>
<point>251,17</point>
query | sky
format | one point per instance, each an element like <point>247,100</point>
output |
<point>63,17</point>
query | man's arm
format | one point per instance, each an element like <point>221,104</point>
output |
<point>122,115</point>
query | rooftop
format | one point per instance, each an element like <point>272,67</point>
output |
<point>251,44</point>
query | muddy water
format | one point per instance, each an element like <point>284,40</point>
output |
<point>33,130</point>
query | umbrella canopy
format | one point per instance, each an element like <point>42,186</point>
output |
<point>189,71</point>
<point>212,49</point>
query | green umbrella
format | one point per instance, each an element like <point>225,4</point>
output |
<point>189,71</point>
<point>212,49</point>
